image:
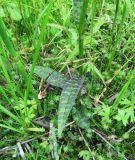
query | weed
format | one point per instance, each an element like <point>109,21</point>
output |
<point>79,55</point>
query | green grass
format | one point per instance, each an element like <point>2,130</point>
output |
<point>82,25</point>
<point>94,39</point>
<point>119,33</point>
<point>37,49</point>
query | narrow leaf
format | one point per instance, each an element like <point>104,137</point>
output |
<point>10,128</point>
<point>2,91</point>
<point>10,114</point>
<point>77,9</point>
<point>36,129</point>
<point>35,57</point>
<point>124,89</point>
<point>82,26</point>
<point>11,85</point>
<point>118,37</point>
<point>6,39</point>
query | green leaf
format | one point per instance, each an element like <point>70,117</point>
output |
<point>11,85</point>
<point>3,93</point>
<point>53,77</point>
<point>99,23</point>
<point>77,9</point>
<point>10,128</point>
<point>36,129</point>
<point>82,27</point>
<point>67,100</point>
<point>10,114</point>
<point>81,118</point>
<point>2,14</point>
<point>14,12</point>
<point>38,22</point>
<point>94,69</point>
<point>105,112</point>
<point>124,89</point>
<point>26,10</point>
<point>53,141</point>
<point>37,49</point>
<point>10,48</point>
<point>85,154</point>
<point>130,112</point>
<point>119,35</point>
<point>6,39</point>
<point>125,115</point>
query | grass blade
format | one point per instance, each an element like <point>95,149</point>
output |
<point>82,26</point>
<point>114,21</point>
<point>93,14</point>
<point>77,10</point>
<point>2,91</point>
<point>91,67</point>
<point>22,70</point>
<point>11,49</point>
<point>39,20</point>
<point>8,113</point>
<point>119,35</point>
<point>6,39</point>
<point>124,89</point>
<point>10,128</point>
<point>42,34</point>
<point>11,86</point>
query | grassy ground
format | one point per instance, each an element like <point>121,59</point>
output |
<point>67,79</point>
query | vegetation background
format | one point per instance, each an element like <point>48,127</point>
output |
<point>67,79</point>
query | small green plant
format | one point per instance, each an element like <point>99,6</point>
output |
<point>85,154</point>
<point>105,113</point>
<point>126,113</point>
<point>31,110</point>
<point>70,90</point>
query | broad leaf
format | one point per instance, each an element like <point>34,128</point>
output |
<point>2,14</point>
<point>81,118</point>
<point>14,12</point>
<point>52,77</point>
<point>67,100</point>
